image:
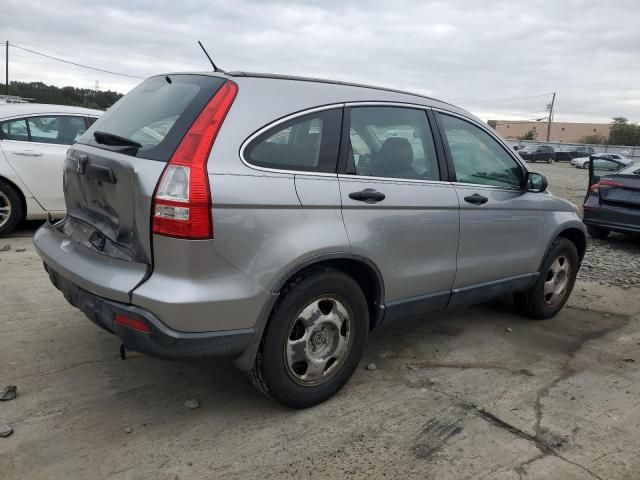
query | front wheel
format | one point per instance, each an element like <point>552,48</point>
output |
<point>314,340</point>
<point>585,165</point>
<point>554,283</point>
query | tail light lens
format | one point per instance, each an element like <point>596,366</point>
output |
<point>182,201</point>
<point>596,187</point>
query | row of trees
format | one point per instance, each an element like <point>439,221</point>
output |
<point>79,97</point>
<point>621,133</point>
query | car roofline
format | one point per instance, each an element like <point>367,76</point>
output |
<point>276,76</point>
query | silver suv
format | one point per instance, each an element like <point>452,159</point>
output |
<point>277,220</point>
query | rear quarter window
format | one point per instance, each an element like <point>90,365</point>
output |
<point>307,143</point>
<point>156,114</point>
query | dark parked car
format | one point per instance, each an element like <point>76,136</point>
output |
<point>535,153</point>
<point>566,154</point>
<point>612,202</point>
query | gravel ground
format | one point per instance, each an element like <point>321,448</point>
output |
<point>614,261</point>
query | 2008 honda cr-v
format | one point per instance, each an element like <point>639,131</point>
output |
<point>277,220</point>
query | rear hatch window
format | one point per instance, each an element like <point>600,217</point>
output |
<point>155,115</point>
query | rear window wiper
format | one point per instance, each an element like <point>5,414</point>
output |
<point>115,140</point>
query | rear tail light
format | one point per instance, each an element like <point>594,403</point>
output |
<point>182,201</point>
<point>596,187</point>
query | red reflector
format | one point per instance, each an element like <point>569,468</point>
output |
<point>131,323</point>
<point>184,210</point>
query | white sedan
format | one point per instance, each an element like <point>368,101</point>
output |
<point>34,139</point>
<point>583,162</point>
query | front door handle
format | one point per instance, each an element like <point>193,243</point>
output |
<point>28,153</point>
<point>368,195</point>
<point>476,199</point>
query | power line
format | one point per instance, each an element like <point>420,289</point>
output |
<point>74,63</point>
<point>505,99</point>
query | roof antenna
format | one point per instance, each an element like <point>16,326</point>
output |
<point>215,69</point>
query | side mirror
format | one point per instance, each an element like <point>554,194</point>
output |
<point>536,182</point>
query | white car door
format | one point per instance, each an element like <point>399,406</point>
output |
<point>39,160</point>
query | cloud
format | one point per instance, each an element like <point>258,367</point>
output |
<point>462,51</point>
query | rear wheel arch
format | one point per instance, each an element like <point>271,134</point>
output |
<point>360,268</point>
<point>23,200</point>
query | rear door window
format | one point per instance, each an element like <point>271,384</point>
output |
<point>156,114</point>
<point>57,129</point>
<point>391,142</point>
<point>14,130</point>
<point>309,143</point>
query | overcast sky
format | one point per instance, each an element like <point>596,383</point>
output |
<point>478,54</point>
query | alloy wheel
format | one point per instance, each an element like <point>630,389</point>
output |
<point>5,209</point>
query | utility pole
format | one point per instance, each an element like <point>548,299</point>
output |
<point>553,100</point>
<point>6,71</point>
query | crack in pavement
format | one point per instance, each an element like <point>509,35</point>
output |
<point>544,448</point>
<point>537,438</point>
<point>69,367</point>
<point>469,366</point>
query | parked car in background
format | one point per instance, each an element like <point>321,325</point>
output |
<point>583,162</point>
<point>566,154</point>
<point>537,153</point>
<point>34,139</point>
<point>279,233</point>
<point>612,202</point>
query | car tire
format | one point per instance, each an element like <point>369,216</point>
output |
<point>554,284</point>
<point>597,232</point>
<point>314,340</point>
<point>550,160</point>
<point>11,209</point>
<point>585,165</point>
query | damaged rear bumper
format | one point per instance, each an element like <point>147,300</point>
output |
<point>159,340</point>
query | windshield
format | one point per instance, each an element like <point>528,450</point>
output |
<point>156,115</point>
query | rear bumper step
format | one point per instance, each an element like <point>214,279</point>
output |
<point>159,341</point>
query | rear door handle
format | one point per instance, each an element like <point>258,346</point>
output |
<point>28,153</point>
<point>368,195</point>
<point>476,199</point>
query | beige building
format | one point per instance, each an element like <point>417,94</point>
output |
<point>560,131</point>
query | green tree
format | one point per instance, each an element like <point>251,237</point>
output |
<point>624,133</point>
<point>595,139</point>
<point>78,97</point>
<point>530,135</point>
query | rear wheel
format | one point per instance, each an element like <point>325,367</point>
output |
<point>10,208</point>
<point>550,159</point>
<point>554,283</point>
<point>598,232</point>
<point>314,341</point>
